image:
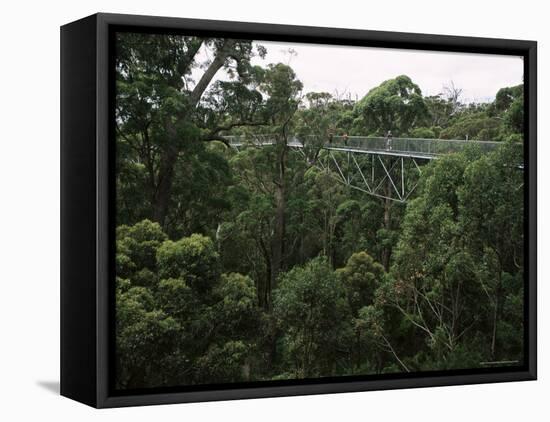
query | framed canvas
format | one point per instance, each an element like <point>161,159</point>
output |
<point>253,210</point>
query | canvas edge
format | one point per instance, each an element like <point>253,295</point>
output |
<point>376,38</point>
<point>78,370</point>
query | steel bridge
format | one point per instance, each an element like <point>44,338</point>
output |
<point>387,168</point>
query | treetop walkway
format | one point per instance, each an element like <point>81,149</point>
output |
<point>420,148</point>
<point>388,168</point>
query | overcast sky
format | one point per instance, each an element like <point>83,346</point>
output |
<point>356,70</point>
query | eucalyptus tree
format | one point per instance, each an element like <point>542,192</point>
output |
<point>263,172</point>
<point>161,120</point>
<point>492,220</point>
<point>435,283</point>
<point>313,315</point>
<point>396,105</point>
<point>509,103</point>
<point>324,196</point>
<point>458,264</point>
<point>283,89</point>
<point>322,118</point>
<point>180,320</point>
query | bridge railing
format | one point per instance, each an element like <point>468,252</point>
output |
<point>417,146</point>
<point>241,140</point>
<point>420,146</point>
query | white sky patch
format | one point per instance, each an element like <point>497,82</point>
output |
<point>350,70</point>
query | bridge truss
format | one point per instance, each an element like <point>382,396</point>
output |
<point>386,168</point>
<point>385,176</point>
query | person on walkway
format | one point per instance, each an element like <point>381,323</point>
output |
<point>389,137</point>
<point>345,138</point>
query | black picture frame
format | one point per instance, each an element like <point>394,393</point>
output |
<point>87,228</point>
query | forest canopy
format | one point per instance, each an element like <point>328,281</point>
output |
<point>256,264</point>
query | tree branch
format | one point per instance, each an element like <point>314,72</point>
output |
<point>392,350</point>
<point>213,137</point>
<point>237,124</point>
<point>221,55</point>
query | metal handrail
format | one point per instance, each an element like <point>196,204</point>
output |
<point>423,146</point>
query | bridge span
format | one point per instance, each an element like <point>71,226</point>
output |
<point>421,148</point>
<point>388,168</point>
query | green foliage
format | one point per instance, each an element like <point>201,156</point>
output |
<point>361,276</point>
<point>176,298</point>
<point>193,259</point>
<point>311,309</point>
<point>252,265</point>
<point>423,132</point>
<point>461,239</point>
<point>225,363</point>
<point>477,126</point>
<point>440,110</point>
<point>282,87</point>
<point>506,97</point>
<point>396,105</point>
<point>136,248</point>
<point>194,324</point>
<point>238,306</point>
<point>513,117</point>
<point>143,335</point>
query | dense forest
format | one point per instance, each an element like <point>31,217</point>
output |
<point>255,264</point>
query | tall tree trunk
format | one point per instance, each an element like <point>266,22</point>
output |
<point>264,299</point>
<point>496,315</point>
<point>169,156</point>
<point>161,195</point>
<point>278,242</point>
